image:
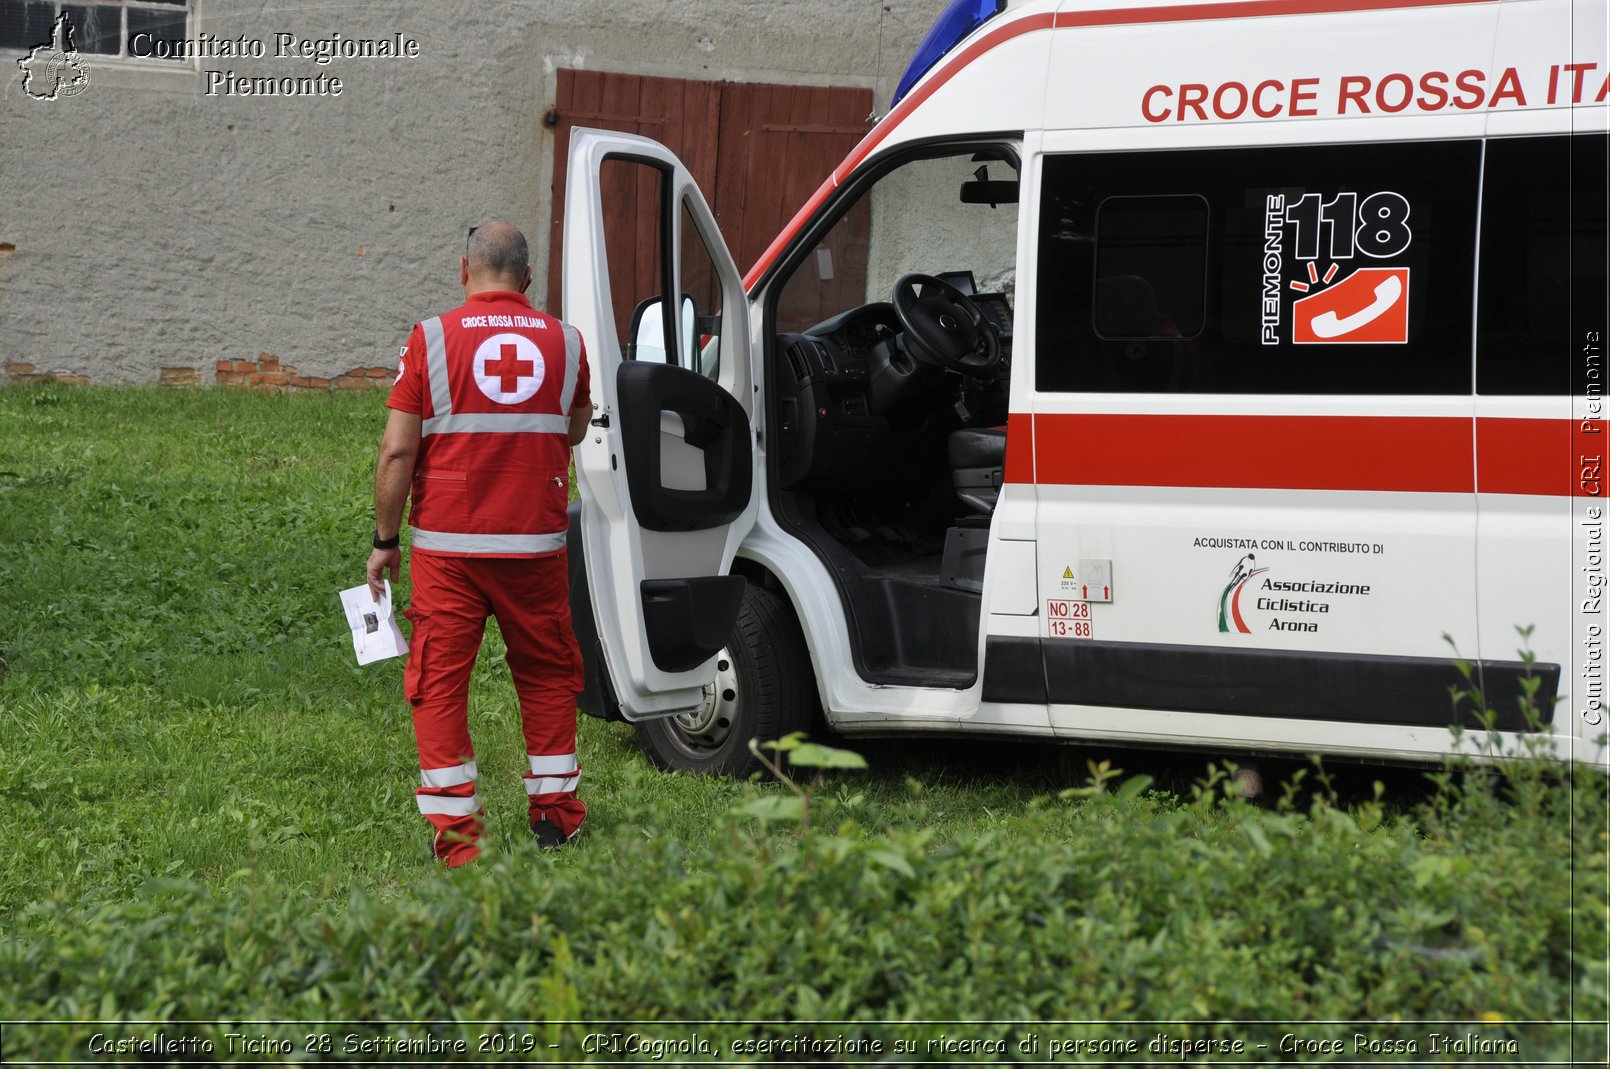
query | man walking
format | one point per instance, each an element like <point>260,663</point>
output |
<point>488,400</point>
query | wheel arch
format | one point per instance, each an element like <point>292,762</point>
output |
<point>764,688</point>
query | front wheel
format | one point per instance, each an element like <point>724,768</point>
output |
<point>763,689</point>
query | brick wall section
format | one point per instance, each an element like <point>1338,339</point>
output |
<point>178,376</point>
<point>264,373</point>
<point>268,373</point>
<point>17,371</point>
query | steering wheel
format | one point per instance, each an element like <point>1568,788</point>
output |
<point>943,327</point>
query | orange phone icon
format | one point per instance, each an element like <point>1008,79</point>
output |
<point>1370,306</point>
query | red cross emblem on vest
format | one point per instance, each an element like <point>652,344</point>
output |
<point>509,368</point>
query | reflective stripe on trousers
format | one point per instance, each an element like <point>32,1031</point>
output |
<point>552,774</point>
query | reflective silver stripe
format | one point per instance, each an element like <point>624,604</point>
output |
<point>552,764</point>
<point>550,784</point>
<point>444,542</point>
<point>452,776</point>
<point>448,806</point>
<point>497,423</point>
<point>572,366</point>
<point>441,398</point>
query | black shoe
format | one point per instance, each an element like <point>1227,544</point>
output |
<point>547,834</point>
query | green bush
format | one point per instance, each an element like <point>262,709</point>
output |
<point>1115,907</point>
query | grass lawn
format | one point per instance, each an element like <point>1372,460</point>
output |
<point>209,815</point>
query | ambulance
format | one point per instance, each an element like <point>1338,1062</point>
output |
<point>1193,375</point>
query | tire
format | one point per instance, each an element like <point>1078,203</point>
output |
<point>763,689</point>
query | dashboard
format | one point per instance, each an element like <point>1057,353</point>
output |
<point>855,410</point>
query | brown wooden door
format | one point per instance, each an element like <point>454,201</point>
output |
<point>757,151</point>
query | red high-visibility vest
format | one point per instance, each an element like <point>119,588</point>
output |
<point>492,477</point>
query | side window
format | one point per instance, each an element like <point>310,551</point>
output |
<point>1340,269</point>
<point>631,192</point>
<point>699,317</point>
<point>1543,282</point>
<point>1151,268</point>
<point>688,332</point>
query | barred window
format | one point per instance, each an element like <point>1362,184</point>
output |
<point>144,30</point>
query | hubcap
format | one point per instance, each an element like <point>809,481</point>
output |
<point>708,726</point>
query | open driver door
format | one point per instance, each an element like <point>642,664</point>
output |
<point>667,470</point>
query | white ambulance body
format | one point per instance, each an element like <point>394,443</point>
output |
<point>1293,312</point>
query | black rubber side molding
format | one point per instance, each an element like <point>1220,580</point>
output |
<point>1014,671</point>
<point>1345,687</point>
<point>688,620</point>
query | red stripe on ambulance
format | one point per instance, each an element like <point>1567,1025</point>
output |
<point>1405,454</point>
<point>1019,448</point>
<point>1430,454</point>
<point>1256,9</point>
<point>1541,457</point>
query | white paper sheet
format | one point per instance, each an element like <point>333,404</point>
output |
<point>375,634</point>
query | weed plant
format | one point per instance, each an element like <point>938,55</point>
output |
<point>209,817</point>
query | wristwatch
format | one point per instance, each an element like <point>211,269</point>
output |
<point>387,543</point>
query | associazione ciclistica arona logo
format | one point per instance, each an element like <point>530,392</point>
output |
<point>1230,618</point>
<point>53,70</point>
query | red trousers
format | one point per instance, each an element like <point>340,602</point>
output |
<point>530,597</point>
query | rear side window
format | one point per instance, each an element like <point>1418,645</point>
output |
<point>1344,269</point>
<point>1151,254</point>
<point>1542,297</point>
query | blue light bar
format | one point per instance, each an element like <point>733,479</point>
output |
<point>961,18</point>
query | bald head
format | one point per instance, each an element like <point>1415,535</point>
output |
<point>496,258</point>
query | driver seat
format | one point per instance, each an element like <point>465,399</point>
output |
<point>977,464</point>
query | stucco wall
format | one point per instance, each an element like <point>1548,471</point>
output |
<point>152,225</point>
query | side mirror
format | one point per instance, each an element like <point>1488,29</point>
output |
<point>648,330</point>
